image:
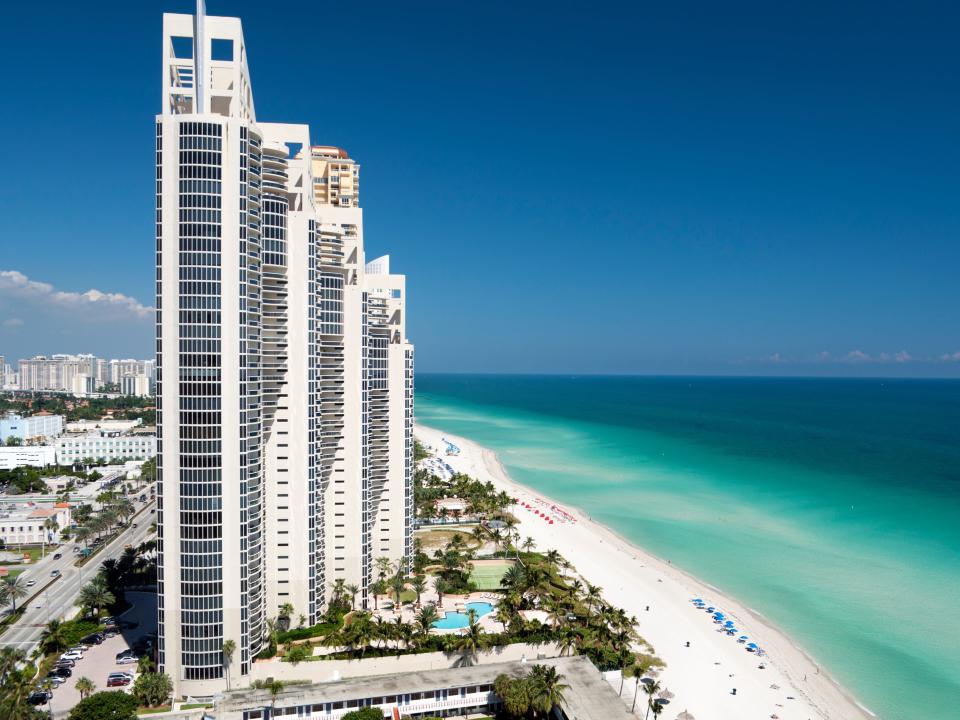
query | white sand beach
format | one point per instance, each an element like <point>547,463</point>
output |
<point>702,676</point>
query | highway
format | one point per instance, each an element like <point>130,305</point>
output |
<point>59,597</point>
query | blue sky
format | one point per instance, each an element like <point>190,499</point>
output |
<point>570,187</point>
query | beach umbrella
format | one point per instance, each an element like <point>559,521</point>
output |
<point>697,600</point>
<point>728,623</point>
<point>685,716</point>
<point>744,637</point>
<point>752,646</point>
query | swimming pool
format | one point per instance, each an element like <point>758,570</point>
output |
<point>453,620</point>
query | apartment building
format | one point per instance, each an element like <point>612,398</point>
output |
<point>284,375</point>
<point>55,373</point>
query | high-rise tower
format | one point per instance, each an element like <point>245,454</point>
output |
<point>284,376</point>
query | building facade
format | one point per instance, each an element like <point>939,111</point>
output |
<point>284,376</point>
<point>106,446</point>
<point>27,456</point>
<point>23,525</point>
<point>39,427</point>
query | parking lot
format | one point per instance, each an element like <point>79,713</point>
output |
<point>100,660</point>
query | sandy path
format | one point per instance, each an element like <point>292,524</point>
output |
<point>702,676</point>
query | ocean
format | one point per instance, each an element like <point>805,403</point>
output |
<point>831,506</point>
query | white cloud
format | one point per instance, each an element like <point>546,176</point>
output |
<point>902,357</point>
<point>19,287</point>
<point>951,357</point>
<point>856,356</point>
<point>12,322</point>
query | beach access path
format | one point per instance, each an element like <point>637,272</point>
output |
<point>701,677</point>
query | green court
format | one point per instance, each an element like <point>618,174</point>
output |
<point>487,573</point>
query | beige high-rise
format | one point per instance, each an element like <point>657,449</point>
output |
<point>284,376</point>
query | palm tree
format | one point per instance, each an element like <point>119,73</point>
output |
<point>85,687</point>
<point>275,687</point>
<point>12,588</point>
<point>427,616</point>
<point>10,658</point>
<point>145,664</point>
<point>49,525</point>
<point>419,585</point>
<point>383,566</point>
<point>547,688</point>
<point>338,589</point>
<point>377,588</point>
<point>229,648</point>
<point>353,589</point>
<point>651,688</point>
<point>96,596</point>
<point>441,586</point>
<point>82,534</point>
<point>471,640</point>
<point>529,544</point>
<point>398,584</point>
<point>636,672</point>
<point>54,637</point>
<point>593,595</point>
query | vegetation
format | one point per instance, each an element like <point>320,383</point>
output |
<point>120,408</point>
<point>532,695</point>
<point>152,689</point>
<point>27,479</point>
<point>367,713</point>
<point>12,588</point>
<point>105,706</point>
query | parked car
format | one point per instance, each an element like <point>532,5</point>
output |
<point>80,647</point>
<point>111,632</point>
<point>54,678</point>
<point>39,697</point>
<point>72,655</point>
<point>57,556</point>
<point>118,681</point>
<point>93,639</point>
<point>126,660</point>
<point>63,672</point>
<point>65,663</point>
<point>121,674</point>
<point>54,573</point>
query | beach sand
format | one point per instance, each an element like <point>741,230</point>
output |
<point>702,676</point>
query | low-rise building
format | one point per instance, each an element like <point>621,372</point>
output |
<point>41,426</point>
<point>28,524</point>
<point>462,692</point>
<point>27,455</point>
<point>85,426</point>
<point>105,445</point>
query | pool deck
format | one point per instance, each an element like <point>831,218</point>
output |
<point>451,603</point>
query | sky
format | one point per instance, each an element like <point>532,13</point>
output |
<point>570,187</point>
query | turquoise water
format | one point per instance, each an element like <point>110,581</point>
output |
<point>453,620</point>
<point>831,506</point>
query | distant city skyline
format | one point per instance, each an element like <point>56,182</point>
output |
<point>747,189</point>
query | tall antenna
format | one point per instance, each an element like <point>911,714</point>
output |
<point>199,53</point>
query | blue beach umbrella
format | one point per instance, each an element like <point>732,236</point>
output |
<point>752,646</point>
<point>729,622</point>
<point>697,600</point>
<point>744,637</point>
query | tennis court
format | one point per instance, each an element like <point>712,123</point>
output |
<point>487,573</point>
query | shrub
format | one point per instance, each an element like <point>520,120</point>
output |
<point>367,713</point>
<point>105,706</point>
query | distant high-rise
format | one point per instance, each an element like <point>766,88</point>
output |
<point>284,376</point>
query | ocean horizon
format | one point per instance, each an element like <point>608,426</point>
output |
<point>828,505</point>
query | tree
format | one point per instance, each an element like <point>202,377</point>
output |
<point>152,689</point>
<point>50,525</point>
<point>12,588</point>
<point>529,544</point>
<point>419,585</point>
<point>13,441</point>
<point>471,641</point>
<point>54,638</point>
<point>397,583</point>
<point>546,688</point>
<point>353,589</point>
<point>105,706</point>
<point>229,648</point>
<point>651,688</point>
<point>145,664</point>
<point>283,616</point>
<point>96,596</point>
<point>426,618</point>
<point>85,686</point>
<point>636,672</point>
<point>367,713</point>
<point>296,654</point>
<point>441,586</point>
<point>377,588</point>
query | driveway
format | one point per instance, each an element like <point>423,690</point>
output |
<point>100,660</point>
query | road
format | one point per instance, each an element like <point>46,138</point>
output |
<point>58,598</point>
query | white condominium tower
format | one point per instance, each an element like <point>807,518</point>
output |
<point>284,376</point>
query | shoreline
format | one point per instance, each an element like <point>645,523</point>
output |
<point>701,676</point>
